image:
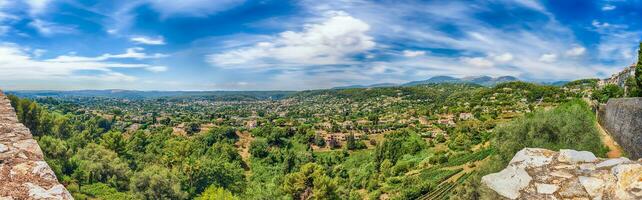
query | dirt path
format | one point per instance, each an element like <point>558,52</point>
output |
<point>615,151</point>
<point>243,145</point>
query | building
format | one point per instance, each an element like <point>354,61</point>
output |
<point>466,116</point>
<point>619,78</point>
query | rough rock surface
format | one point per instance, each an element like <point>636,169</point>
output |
<point>544,174</point>
<point>622,118</point>
<point>23,172</point>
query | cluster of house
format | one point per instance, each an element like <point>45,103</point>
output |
<point>619,78</point>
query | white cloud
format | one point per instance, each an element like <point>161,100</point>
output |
<point>18,64</point>
<point>608,7</point>
<point>332,41</point>
<point>147,40</point>
<point>478,62</point>
<point>48,28</point>
<point>133,53</point>
<point>39,52</point>
<point>411,53</point>
<point>576,51</point>
<point>38,6</point>
<point>197,8</point>
<point>516,51</point>
<point>548,57</point>
<point>505,57</point>
<point>156,69</point>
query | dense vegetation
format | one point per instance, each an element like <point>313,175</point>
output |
<point>569,126</point>
<point>430,141</point>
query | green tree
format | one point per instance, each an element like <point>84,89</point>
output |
<point>156,182</point>
<point>638,70</point>
<point>98,164</point>
<point>216,193</point>
<point>607,92</point>
<point>198,174</point>
<point>259,148</point>
<point>310,178</point>
<point>632,89</point>
<point>114,140</point>
<point>192,128</point>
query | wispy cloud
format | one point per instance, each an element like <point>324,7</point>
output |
<point>49,28</point>
<point>330,42</point>
<point>37,7</point>
<point>198,8</point>
<point>608,7</point>
<point>18,64</point>
<point>148,40</point>
<point>134,53</point>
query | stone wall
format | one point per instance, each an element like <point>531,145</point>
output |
<point>622,118</point>
<point>23,172</point>
<point>568,174</point>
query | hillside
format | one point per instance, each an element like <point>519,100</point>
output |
<point>425,141</point>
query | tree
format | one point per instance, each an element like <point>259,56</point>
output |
<point>156,182</point>
<point>311,178</point>
<point>198,174</point>
<point>98,164</point>
<point>216,193</point>
<point>638,70</point>
<point>114,141</point>
<point>192,128</point>
<point>259,148</point>
<point>607,92</point>
<point>632,89</point>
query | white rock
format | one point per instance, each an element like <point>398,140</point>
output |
<point>572,156</point>
<point>629,181</point>
<point>3,148</point>
<point>57,192</point>
<point>508,182</point>
<point>532,157</point>
<point>587,166</point>
<point>594,186</point>
<point>561,174</point>
<point>43,170</point>
<point>29,145</point>
<point>612,162</point>
<point>546,188</point>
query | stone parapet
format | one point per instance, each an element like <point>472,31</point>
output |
<point>568,174</point>
<point>23,172</point>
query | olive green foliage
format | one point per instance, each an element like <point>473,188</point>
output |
<point>638,71</point>
<point>156,182</point>
<point>569,126</point>
<point>583,82</point>
<point>632,89</point>
<point>311,177</point>
<point>95,164</point>
<point>97,161</point>
<point>216,193</point>
<point>609,91</point>
<point>107,148</point>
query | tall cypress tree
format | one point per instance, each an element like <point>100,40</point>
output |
<point>638,71</point>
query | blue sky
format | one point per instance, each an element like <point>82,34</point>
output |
<point>307,44</point>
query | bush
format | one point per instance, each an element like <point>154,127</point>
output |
<point>607,92</point>
<point>569,126</point>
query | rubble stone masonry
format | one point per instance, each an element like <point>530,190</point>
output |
<point>23,172</point>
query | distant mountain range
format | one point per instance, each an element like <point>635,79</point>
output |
<point>134,94</point>
<point>481,80</point>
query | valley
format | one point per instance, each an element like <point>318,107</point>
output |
<point>424,141</point>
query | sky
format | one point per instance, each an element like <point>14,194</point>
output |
<point>307,44</point>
